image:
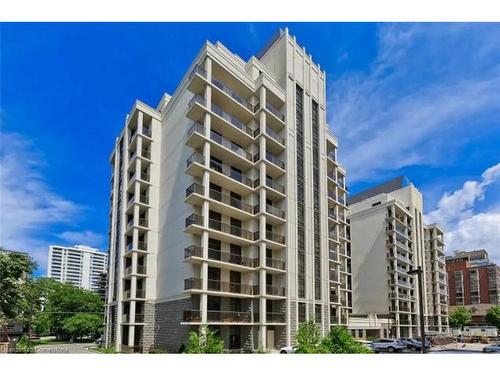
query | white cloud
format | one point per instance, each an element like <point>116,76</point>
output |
<point>415,104</point>
<point>29,207</point>
<point>466,229</point>
<point>87,237</point>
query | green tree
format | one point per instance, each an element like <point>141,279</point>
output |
<point>15,270</point>
<point>340,341</point>
<point>309,339</point>
<point>61,302</point>
<point>460,317</point>
<point>83,324</point>
<point>24,345</point>
<point>205,341</point>
<point>493,316</point>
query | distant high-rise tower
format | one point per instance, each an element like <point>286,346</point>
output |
<point>79,265</point>
<point>389,238</point>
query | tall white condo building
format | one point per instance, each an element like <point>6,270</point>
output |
<point>79,265</point>
<point>228,207</point>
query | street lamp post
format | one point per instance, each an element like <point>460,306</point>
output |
<point>418,271</point>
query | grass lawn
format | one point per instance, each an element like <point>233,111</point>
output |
<point>103,350</point>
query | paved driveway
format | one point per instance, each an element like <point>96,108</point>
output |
<point>77,348</point>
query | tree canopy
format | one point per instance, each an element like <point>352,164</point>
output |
<point>460,317</point>
<point>493,316</point>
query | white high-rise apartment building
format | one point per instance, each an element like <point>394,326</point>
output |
<point>228,207</point>
<point>79,265</point>
<point>389,238</point>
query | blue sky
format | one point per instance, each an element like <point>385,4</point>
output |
<point>421,100</point>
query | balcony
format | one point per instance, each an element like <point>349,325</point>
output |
<point>139,294</point>
<point>278,190</point>
<point>275,317</point>
<point>275,167</point>
<point>236,128</point>
<point>276,118</point>
<point>275,263</point>
<point>220,256</point>
<point>276,291</point>
<point>219,317</point>
<point>276,240</point>
<point>222,203</point>
<point>224,176</point>
<point>221,231</point>
<point>401,296</point>
<point>139,318</point>
<point>221,286</point>
<point>278,215</point>
<point>276,143</point>
<point>197,79</point>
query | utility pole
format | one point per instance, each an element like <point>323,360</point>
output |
<point>418,271</point>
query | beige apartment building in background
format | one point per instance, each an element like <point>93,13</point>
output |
<point>228,207</point>
<point>389,238</point>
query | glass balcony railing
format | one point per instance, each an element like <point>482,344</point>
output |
<point>275,263</point>
<point>270,236</point>
<point>271,133</point>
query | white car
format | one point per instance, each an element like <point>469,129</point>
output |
<point>391,345</point>
<point>288,350</point>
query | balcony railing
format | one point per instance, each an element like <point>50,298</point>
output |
<point>331,155</point>
<point>143,222</point>
<point>195,157</point>
<point>230,229</point>
<point>230,145</point>
<point>270,236</point>
<point>231,93</point>
<point>198,70</point>
<point>231,201</point>
<point>231,173</point>
<point>271,133</point>
<point>271,184</point>
<point>275,263</point>
<point>216,316</point>
<point>232,120</point>
<point>220,256</point>
<point>221,286</point>
<point>197,99</point>
<point>139,293</point>
<point>332,214</point>
<point>270,210</point>
<point>272,290</point>
<point>271,109</point>
<point>275,317</point>
<point>271,158</point>
<point>146,132</point>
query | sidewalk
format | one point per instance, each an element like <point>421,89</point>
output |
<point>461,347</point>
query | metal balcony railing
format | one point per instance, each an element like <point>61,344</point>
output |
<point>271,109</point>
<point>229,200</point>
<point>271,133</point>
<point>232,120</point>
<point>275,317</point>
<point>230,229</point>
<point>221,286</point>
<point>231,173</point>
<point>271,184</point>
<point>271,158</point>
<point>146,132</point>
<point>233,94</point>
<point>275,263</point>
<point>143,222</point>
<point>230,145</point>
<point>331,155</point>
<point>198,70</point>
<point>197,99</point>
<point>219,316</point>
<point>195,157</point>
<point>272,290</point>
<point>215,254</point>
<point>270,236</point>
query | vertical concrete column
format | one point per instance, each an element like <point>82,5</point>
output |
<point>131,333</point>
<point>262,116</point>
<point>204,237</point>
<point>140,121</point>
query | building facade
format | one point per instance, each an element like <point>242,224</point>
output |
<point>78,265</point>
<point>474,282</point>
<point>244,206</point>
<point>388,240</point>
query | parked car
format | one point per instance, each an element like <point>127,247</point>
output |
<point>391,345</point>
<point>495,348</point>
<point>288,350</point>
<point>415,344</point>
